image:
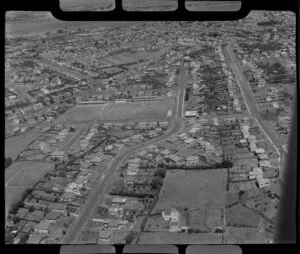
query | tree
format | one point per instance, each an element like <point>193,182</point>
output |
<point>16,219</point>
<point>15,207</point>
<point>8,162</point>
<point>24,238</point>
<point>220,230</point>
<point>156,182</point>
<point>129,238</point>
<point>161,172</point>
<point>8,238</point>
<point>241,192</point>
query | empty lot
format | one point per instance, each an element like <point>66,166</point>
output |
<point>180,238</point>
<point>243,235</point>
<point>193,189</point>
<point>240,215</point>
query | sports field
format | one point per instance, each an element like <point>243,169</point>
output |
<point>128,110</point>
<point>81,113</point>
<point>15,145</point>
<point>22,175</point>
<point>193,189</point>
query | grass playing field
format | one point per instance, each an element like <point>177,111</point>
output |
<point>81,113</point>
<point>128,110</point>
<point>193,189</point>
<point>22,175</point>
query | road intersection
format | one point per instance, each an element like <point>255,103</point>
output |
<point>97,194</point>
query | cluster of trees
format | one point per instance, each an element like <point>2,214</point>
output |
<point>195,230</point>
<point>8,162</point>
<point>130,237</point>
<point>240,225</point>
<point>157,181</point>
<point>131,193</point>
<point>187,93</point>
<point>219,230</point>
<point>223,164</point>
<point>160,172</point>
<point>9,238</point>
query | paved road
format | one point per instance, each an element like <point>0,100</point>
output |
<point>250,99</point>
<point>96,196</point>
<point>182,81</point>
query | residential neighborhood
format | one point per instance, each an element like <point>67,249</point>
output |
<point>150,132</point>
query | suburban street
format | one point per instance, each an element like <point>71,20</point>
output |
<point>250,99</point>
<point>97,194</point>
<point>182,81</point>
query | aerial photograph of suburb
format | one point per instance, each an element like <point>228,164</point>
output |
<point>146,132</point>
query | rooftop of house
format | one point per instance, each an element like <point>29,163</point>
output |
<point>43,225</point>
<point>119,200</point>
<point>105,234</point>
<point>192,158</point>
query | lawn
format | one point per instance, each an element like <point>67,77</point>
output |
<point>15,145</point>
<point>193,189</point>
<point>180,238</point>
<point>240,215</point>
<point>81,113</point>
<point>128,110</point>
<point>198,220</point>
<point>156,223</point>
<point>204,219</point>
<point>22,175</point>
<point>214,217</point>
<point>12,195</point>
<point>243,235</point>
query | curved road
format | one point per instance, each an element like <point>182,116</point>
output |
<point>96,196</point>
